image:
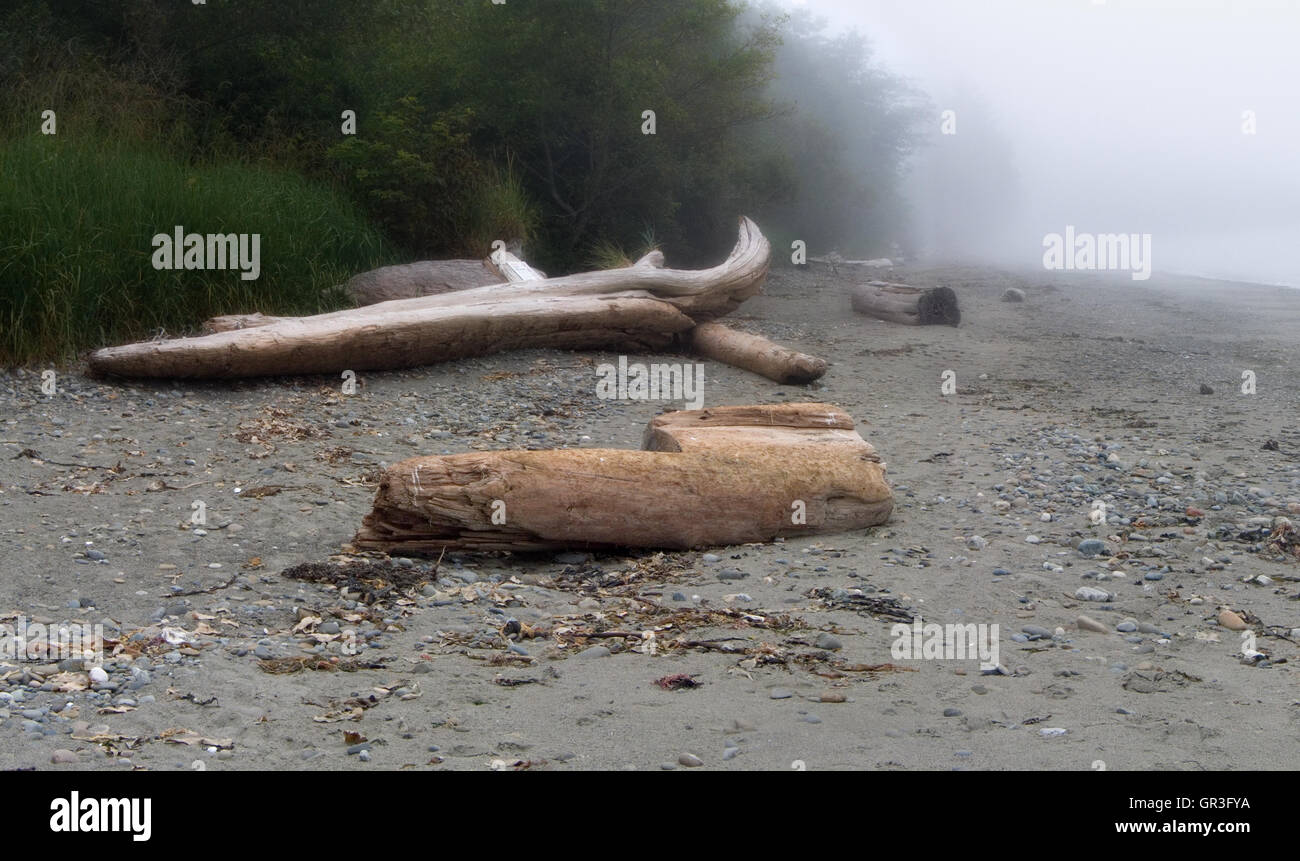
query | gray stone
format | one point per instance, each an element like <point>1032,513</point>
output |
<point>829,642</point>
<point>1090,547</point>
<point>594,652</point>
<point>780,694</point>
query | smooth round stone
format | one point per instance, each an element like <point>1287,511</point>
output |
<point>828,642</point>
<point>950,712</point>
<point>730,753</point>
<point>594,652</point>
<point>1090,547</point>
<point>62,756</point>
<point>1127,626</point>
<point>811,718</point>
<point>690,760</point>
<point>780,694</point>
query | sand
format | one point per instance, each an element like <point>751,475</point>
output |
<point>1046,390</point>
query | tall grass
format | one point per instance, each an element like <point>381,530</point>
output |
<point>77,216</point>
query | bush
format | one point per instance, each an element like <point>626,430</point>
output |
<point>76,251</point>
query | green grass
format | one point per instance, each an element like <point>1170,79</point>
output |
<point>77,218</point>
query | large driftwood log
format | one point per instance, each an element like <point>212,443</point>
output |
<point>728,475</point>
<point>755,353</point>
<point>900,303</point>
<point>641,306</point>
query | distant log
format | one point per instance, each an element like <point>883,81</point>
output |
<point>913,306</point>
<point>755,353</point>
<point>425,278</point>
<point>723,476</point>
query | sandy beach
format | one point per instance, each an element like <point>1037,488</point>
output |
<point>1094,389</point>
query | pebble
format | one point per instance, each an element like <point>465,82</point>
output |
<point>976,542</point>
<point>1087,623</point>
<point>828,642</point>
<point>833,697</point>
<point>594,652</point>
<point>730,753</point>
<point>1127,626</point>
<point>63,755</point>
<point>951,712</point>
<point>690,760</point>
<point>1052,731</point>
<point>1036,631</point>
<point>98,675</point>
<point>1231,620</point>
<point>1090,547</point>
<point>1088,593</point>
<point>780,694</point>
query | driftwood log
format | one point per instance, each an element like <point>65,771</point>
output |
<point>900,303</point>
<point>755,353</point>
<point>722,476</point>
<point>639,307</point>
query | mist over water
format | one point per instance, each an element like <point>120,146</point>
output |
<point>1176,119</point>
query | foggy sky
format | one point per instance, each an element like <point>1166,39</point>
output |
<point>1119,116</point>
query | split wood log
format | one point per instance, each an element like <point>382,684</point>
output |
<point>900,303</point>
<point>755,353</point>
<point>638,307</point>
<point>722,476</point>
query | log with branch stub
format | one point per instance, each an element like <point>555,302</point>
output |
<point>901,303</point>
<point>721,476</point>
<point>639,307</point>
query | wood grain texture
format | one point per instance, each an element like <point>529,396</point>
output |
<point>730,475</point>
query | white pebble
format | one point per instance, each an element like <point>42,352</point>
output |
<point>98,675</point>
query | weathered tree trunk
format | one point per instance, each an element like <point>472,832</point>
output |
<point>900,303</point>
<point>642,305</point>
<point>728,475</point>
<point>755,353</point>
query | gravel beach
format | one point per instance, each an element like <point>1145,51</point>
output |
<point>1099,487</point>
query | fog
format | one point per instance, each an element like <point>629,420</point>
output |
<point>1123,116</point>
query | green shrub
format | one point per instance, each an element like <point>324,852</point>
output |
<point>77,218</point>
